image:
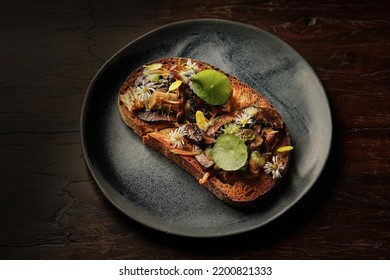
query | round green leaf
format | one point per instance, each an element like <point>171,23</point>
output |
<point>212,86</point>
<point>229,152</point>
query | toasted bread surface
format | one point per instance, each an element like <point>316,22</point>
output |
<point>171,128</point>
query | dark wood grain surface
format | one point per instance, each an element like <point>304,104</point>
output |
<point>50,207</point>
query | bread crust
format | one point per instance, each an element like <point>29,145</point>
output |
<point>245,189</point>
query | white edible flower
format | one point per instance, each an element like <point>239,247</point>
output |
<point>176,137</point>
<point>243,119</point>
<point>274,168</point>
<point>145,90</point>
<point>189,71</point>
<point>191,66</point>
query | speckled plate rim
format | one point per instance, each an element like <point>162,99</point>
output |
<point>120,202</point>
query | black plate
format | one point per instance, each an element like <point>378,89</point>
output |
<point>155,192</point>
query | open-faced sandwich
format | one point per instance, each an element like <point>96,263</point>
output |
<point>209,123</point>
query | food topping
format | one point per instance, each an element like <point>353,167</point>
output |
<point>152,67</point>
<point>176,137</point>
<point>244,119</point>
<point>189,71</point>
<point>212,86</point>
<point>163,102</point>
<point>202,157</point>
<point>274,168</point>
<point>229,152</point>
<point>151,116</point>
<point>174,85</point>
<point>145,90</point>
<point>195,103</point>
<point>201,121</point>
<point>192,132</point>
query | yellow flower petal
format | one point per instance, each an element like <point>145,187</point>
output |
<point>201,120</point>
<point>154,66</point>
<point>174,85</point>
<point>284,149</point>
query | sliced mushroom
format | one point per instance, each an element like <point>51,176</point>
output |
<point>218,123</point>
<point>193,132</point>
<point>201,157</point>
<point>154,116</point>
<point>180,110</point>
<point>192,104</point>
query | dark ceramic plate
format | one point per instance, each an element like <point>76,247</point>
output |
<point>155,192</point>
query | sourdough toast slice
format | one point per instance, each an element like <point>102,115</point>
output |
<point>164,103</point>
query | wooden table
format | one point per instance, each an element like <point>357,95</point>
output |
<point>50,207</point>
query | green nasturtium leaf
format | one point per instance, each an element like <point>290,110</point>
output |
<point>212,86</point>
<point>229,152</point>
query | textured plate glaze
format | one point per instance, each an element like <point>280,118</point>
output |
<point>155,192</point>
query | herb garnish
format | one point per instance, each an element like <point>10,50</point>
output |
<point>229,152</point>
<point>212,86</point>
